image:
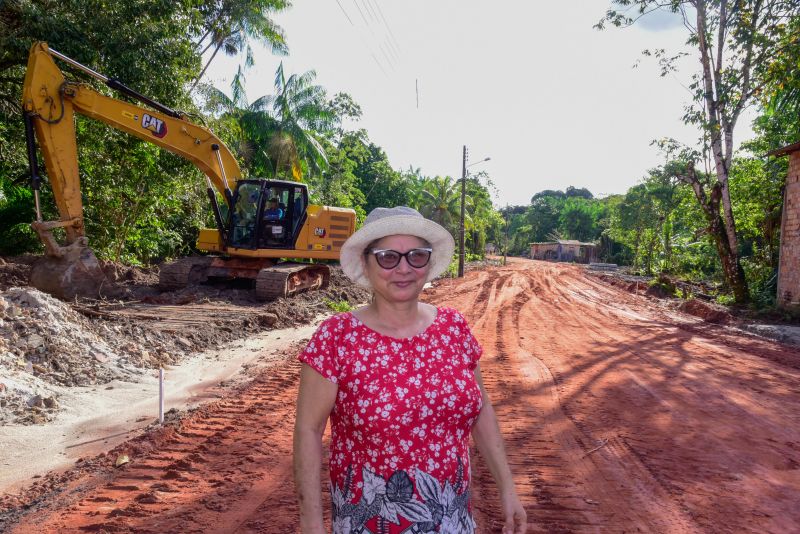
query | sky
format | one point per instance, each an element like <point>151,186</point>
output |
<point>532,85</point>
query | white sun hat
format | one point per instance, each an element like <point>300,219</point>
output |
<point>402,220</point>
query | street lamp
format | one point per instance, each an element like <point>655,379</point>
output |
<point>463,202</point>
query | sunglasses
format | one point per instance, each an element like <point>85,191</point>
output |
<point>389,259</point>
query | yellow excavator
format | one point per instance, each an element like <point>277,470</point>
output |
<point>265,220</point>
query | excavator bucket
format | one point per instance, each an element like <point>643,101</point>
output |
<point>77,273</point>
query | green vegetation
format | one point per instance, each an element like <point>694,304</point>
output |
<point>143,204</point>
<point>339,305</point>
<point>747,53</point>
<point>707,213</point>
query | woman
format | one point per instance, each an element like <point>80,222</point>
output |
<point>400,380</point>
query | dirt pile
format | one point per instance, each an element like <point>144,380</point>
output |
<point>711,313</point>
<point>45,343</point>
<point>15,271</point>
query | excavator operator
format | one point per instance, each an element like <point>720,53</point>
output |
<point>273,211</point>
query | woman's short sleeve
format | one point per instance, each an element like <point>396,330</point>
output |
<point>321,353</point>
<point>472,348</point>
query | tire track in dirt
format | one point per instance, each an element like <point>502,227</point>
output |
<point>618,416</point>
<point>212,474</point>
<point>679,409</point>
<point>563,490</point>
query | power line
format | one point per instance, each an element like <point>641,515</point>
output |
<point>388,59</point>
<point>380,11</point>
<point>362,13</point>
<point>370,10</point>
<point>391,50</point>
<point>366,23</point>
<point>374,4</point>
<point>345,13</point>
<point>379,64</point>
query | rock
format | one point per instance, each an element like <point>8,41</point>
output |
<point>38,419</point>
<point>39,369</point>
<point>50,402</point>
<point>656,291</point>
<point>183,342</point>
<point>122,459</point>
<point>148,498</point>
<point>34,340</point>
<point>783,333</point>
<point>267,319</point>
<point>36,402</point>
<point>100,357</point>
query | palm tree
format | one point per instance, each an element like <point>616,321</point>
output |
<point>249,130</point>
<point>231,24</point>
<point>441,201</point>
<point>415,184</point>
<point>300,110</point>
<point>276,133</point>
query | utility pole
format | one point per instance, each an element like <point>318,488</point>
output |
<point>505,248</point>
<point>461,223</point>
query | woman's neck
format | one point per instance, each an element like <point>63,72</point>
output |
<point>398,319</point>
<point>396,314</point>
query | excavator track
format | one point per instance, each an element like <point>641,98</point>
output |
<point>179,274</point>
<point>288,279</point>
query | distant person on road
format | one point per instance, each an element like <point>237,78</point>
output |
<point>273,212</point>
<point>400,381</point>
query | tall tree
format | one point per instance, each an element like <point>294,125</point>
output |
<point>302,112</point>
<point>441,201</point>
<point>231,25</point>
<point>735,41</point>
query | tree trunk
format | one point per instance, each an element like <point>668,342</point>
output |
<point>667,237</point>
<point>202,72</point>
<point>731,267</point>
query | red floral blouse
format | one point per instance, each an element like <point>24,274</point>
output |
<point>399,453</point>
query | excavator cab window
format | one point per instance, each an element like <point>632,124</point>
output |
<point>267,214</point>
<point>298,213</point>
<point>275,228</point>
<point>245,214</point>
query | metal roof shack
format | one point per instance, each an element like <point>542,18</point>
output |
<point>568,250</point>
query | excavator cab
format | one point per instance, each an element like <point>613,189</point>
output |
<point>267,214</point>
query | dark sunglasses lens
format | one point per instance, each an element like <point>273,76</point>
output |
<point>388,259</point>
<point>418,257</point>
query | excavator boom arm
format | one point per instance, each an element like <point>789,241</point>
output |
<point>50,101</point>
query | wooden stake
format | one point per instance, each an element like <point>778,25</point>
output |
<point>161,395</point>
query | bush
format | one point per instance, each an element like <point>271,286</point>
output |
<point>16,215</point>
<point>339,305</point>
<point>664,285</point>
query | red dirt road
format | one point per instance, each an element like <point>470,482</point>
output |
<point>619,416</point>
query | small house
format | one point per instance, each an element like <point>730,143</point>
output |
<point>568,250</point>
